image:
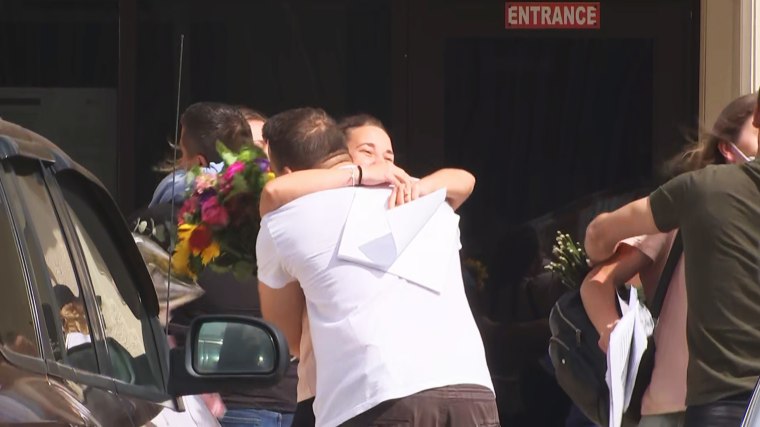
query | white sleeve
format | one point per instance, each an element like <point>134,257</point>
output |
<point>271,272</point>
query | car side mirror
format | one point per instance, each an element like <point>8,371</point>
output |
<point>228,353</point>
<point>222,348</point>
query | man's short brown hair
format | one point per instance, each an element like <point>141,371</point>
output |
<point>204,123</point>
<point>302,138</point>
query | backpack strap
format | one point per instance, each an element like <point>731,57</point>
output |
<point>667,274</point>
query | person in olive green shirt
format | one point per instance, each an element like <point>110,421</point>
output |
<point>718,212</point>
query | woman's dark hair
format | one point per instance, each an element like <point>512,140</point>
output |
<point>705,151</point>
<point>251,114</point>
<point>359,120</point>
<point>205,123</point>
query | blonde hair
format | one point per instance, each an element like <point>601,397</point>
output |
<point>74,319</point>
<point>705,151</point>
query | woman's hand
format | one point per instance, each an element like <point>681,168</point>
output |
<point>384,173</point>
<point>214,404</point>
<point>405,189</point>
<point>604,337</point>
<point>404,193</point>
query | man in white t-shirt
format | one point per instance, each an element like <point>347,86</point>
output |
<point>393,335</point>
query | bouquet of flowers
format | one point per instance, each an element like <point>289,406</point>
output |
<point>219,221</point>
<point>570,262</point>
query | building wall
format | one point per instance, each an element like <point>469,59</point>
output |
<point>729,53</point>
<point>389,58</point>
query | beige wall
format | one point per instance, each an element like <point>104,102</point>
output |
<point>729,53</point>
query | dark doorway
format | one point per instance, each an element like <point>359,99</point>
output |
<point>543,118</point>
<point>545,121</point>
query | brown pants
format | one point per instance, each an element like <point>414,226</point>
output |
<point>462,405</point>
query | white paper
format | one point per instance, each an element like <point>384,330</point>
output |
<point>409,241</point>
<point>628,341</point>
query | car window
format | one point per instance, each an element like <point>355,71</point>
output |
<point>16,322</point>
<point>131,348</point>
<point>63,307</point>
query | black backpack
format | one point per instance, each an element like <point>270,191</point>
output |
<point>579,364</point>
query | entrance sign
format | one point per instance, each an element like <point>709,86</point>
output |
<point>551,15</point>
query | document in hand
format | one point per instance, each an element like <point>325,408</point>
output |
<point>628,341</point>
<point>410,241</point>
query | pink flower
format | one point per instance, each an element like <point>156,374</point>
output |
<point>213,213</point>
<point>189,208</point>
<point>234,169</point>
<point>225,185</point>
<point>204,181</point>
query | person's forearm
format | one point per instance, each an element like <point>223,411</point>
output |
<point>600,241</point>
<point>458,183</point>
<point>599,287</point>
<point>286,188</point>
<point>598,298</point>
<point>284,308</point>
<point>603,233</point>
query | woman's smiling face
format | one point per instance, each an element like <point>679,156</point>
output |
<point>369,145</point>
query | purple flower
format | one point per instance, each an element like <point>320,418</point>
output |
<point>208,193</point>
<point>234,169</point>
<point>263,164</point>
<point>213,213</point>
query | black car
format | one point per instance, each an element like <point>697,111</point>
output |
<point>80,341</point>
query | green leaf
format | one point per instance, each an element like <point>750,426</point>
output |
<point>219,268</point>
<point>195,170</point>
<point>195,264</point>
<point>225,153</point>
<point>246,155</point>
<point>160,233</point>
<point>239,185</point>
<point>242,270</point>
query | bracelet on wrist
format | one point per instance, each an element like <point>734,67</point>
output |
<point>354,179</point>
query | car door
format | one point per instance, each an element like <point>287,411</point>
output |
<point>136,347</point>
<point>25,394</point>
<point>75,388</point>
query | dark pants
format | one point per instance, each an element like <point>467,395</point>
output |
<point>304,416</point>
<point>451,406</point>
<point>728,412</point>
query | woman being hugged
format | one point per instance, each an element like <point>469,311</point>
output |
<point>733,139</point>
<point>371,150</point>
<point>372,153</point>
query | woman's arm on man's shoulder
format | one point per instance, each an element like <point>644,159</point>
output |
<point>286,188</point>
<point>458,184</point>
